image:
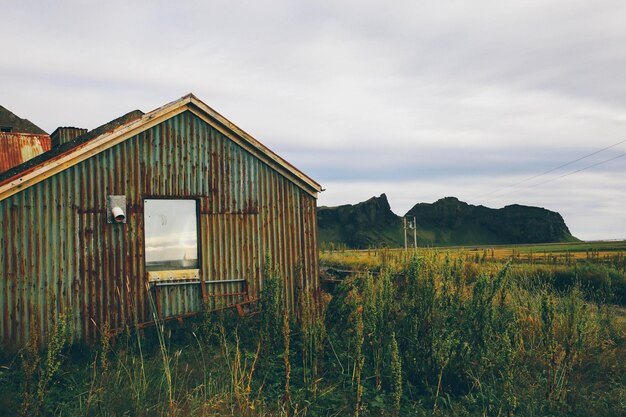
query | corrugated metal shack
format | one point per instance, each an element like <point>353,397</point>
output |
<point>178,205</point>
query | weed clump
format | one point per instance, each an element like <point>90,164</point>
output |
<point>41,368</point>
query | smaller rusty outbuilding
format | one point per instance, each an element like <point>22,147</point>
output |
<point>165,213</point>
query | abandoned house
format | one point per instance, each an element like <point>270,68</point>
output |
<point>157,214</point>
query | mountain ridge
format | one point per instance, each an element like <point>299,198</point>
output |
<point>447,221</point>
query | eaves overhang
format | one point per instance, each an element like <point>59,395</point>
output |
<point>60,162</point>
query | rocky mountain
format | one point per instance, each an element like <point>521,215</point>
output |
<point>447,221</point>
<point>370,223</point>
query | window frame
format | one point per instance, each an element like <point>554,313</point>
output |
<point>190,275</point>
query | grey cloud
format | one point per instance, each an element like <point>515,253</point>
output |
<point>452,98</point>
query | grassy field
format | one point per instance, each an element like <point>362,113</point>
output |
<point>605,252</point>
<point>440,332</point>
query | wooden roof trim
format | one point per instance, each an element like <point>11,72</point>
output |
<point>275,158</point>
<point>85,151</point>
<point>255,151</point>
<point>107,140</point>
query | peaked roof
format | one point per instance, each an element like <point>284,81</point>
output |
<point>131,124</point>
<point>19,125</point>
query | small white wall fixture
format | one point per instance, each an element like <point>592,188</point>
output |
<point>116,209</point>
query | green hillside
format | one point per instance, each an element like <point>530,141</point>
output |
<point>447,221</point>
<point>370,223</point>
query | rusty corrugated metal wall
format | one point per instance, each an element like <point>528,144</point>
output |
<point>59,255</point>
<point>16,148</point>
<point>65,134</point>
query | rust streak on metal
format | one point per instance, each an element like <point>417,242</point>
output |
<point>16,148</point>
<point>59,253</point>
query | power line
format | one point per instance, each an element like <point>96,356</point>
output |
<point>564,175</point>
<point>552,170</point>
<point>581,169</point>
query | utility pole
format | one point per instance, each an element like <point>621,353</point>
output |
<point>414,234</point>
<point>407,226</point>
<point>405,242</point>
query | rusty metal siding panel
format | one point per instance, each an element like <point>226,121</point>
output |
<point>65,134</point>
<point>58,254</point>
<point>180,300</point>
<point>16,148</point>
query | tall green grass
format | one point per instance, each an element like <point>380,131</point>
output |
<point>425,334</point>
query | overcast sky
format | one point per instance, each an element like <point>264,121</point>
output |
<point>419,100</point>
